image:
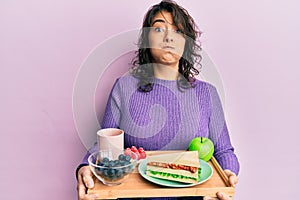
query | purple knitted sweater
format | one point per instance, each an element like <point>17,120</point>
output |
<point>167,118</point>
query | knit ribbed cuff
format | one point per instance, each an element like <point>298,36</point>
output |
<point>78,168</point>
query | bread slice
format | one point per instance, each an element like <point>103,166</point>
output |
<point>179,166</point>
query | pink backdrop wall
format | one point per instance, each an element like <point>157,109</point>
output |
<point>255,45</point>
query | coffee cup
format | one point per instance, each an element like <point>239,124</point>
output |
<point>111,139</point>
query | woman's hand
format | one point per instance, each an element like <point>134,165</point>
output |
<point>233,179</point>
<point>85,181</point>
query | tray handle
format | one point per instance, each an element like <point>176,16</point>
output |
<point>220,171</point>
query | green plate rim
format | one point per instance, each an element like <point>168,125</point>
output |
<point>205,169</point>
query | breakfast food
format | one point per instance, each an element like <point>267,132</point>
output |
<point>139,151</point>
<point>180,166</point>
<point>114,169</point>
<point>204,146</point>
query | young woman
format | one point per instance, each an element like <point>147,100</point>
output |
<point>160,105</point>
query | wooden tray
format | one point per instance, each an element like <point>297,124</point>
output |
<point>137,186</point>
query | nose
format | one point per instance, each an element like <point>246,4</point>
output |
<point>168,36</point>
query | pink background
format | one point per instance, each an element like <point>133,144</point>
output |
<point>255,45</point>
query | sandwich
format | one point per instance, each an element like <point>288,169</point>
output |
<point>180,166</point>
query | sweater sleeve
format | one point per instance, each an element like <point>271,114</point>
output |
<point>112,112</point>
<point>218,132</point>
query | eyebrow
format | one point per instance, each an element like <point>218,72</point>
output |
<point>158,20</point>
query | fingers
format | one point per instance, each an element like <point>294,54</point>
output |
<point>85,181</point>
<point>88,197</point>
<point>82,193</point>
<point>88,181</point>
<point>222,196</point>
<point>232,178</point>
<point>87,177</point>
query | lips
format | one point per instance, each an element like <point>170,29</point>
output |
<point>168,47</point>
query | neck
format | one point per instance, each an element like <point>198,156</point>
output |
<point>165,72</point>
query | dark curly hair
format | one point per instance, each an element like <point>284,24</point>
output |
<point>142,62</point>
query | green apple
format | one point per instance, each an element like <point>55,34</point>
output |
<point>204,146</point>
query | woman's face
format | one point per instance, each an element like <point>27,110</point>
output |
<point>166,42</point>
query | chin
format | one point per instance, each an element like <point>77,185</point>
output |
<point>168,62</point>
<point>171,55</point>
